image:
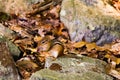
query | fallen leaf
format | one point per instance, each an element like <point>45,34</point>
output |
<point>26,67</point>
<point>37,38</point>
<point>107,56</point>
<point>20,31</point>
<point>116,4</point>
<point>55,11</point>
<point>99,48</point>
<point>115,49</point>
<point>25,41</point>
<point>79,44</point>
<point>91,46</point>
<point>118,61</point>
<point>113,58</point>
<point>32,49</point>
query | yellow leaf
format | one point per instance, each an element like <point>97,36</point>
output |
<point>107,46</point>
<point>107,56</point>
<point>90,46</point>
<point>32,49</point>
<point>100,48</point>
<point>79,44</point>
<point>118,61</point>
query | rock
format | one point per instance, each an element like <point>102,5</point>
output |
<point>16,6</point>
<point>21,7</point>
<point>74,67</point>
<point>8,69</point>
<point>91,20</point>
<point>5,35</point>
<point>6,32</point>
<point>14,51</point>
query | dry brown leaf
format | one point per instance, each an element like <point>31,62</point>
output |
<point>107,46</point>
<point>55,11</point>
<point>32,49</point>
<point>99,48</point>
<point>26,41</point>
<point>90,46</point>
<point>37,38</point>
<point>20,31</point>
<point>79,44</point>
<point>16,28</point>
<point>62,40</point>
<point>26,67</point>
<point>63,32</point>
<point>60,28</point>
<point>113,58</point>
<point>44,29</point>
<point>116,4</point>
<point>107,56</point>
<point>116,49</point>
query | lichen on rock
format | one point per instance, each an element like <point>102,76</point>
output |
<point>73,67</point>
<point>8,70</point>
<point>85,16</point>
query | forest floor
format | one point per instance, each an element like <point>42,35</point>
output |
<point>40,33</point>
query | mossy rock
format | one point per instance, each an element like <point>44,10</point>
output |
<point>73,68</point>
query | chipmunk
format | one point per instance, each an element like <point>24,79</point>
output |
<point>53,47</point>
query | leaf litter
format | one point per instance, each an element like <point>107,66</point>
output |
<point>41,35</point>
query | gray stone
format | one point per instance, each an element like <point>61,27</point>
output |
<point>23,7</point>
<point>14,51</point>
<point>8,70</point>
<point>73,67</point>
<point>91,20</point>
<point>16,6</point>
<point>5,36</point>
<point>6,32</point>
